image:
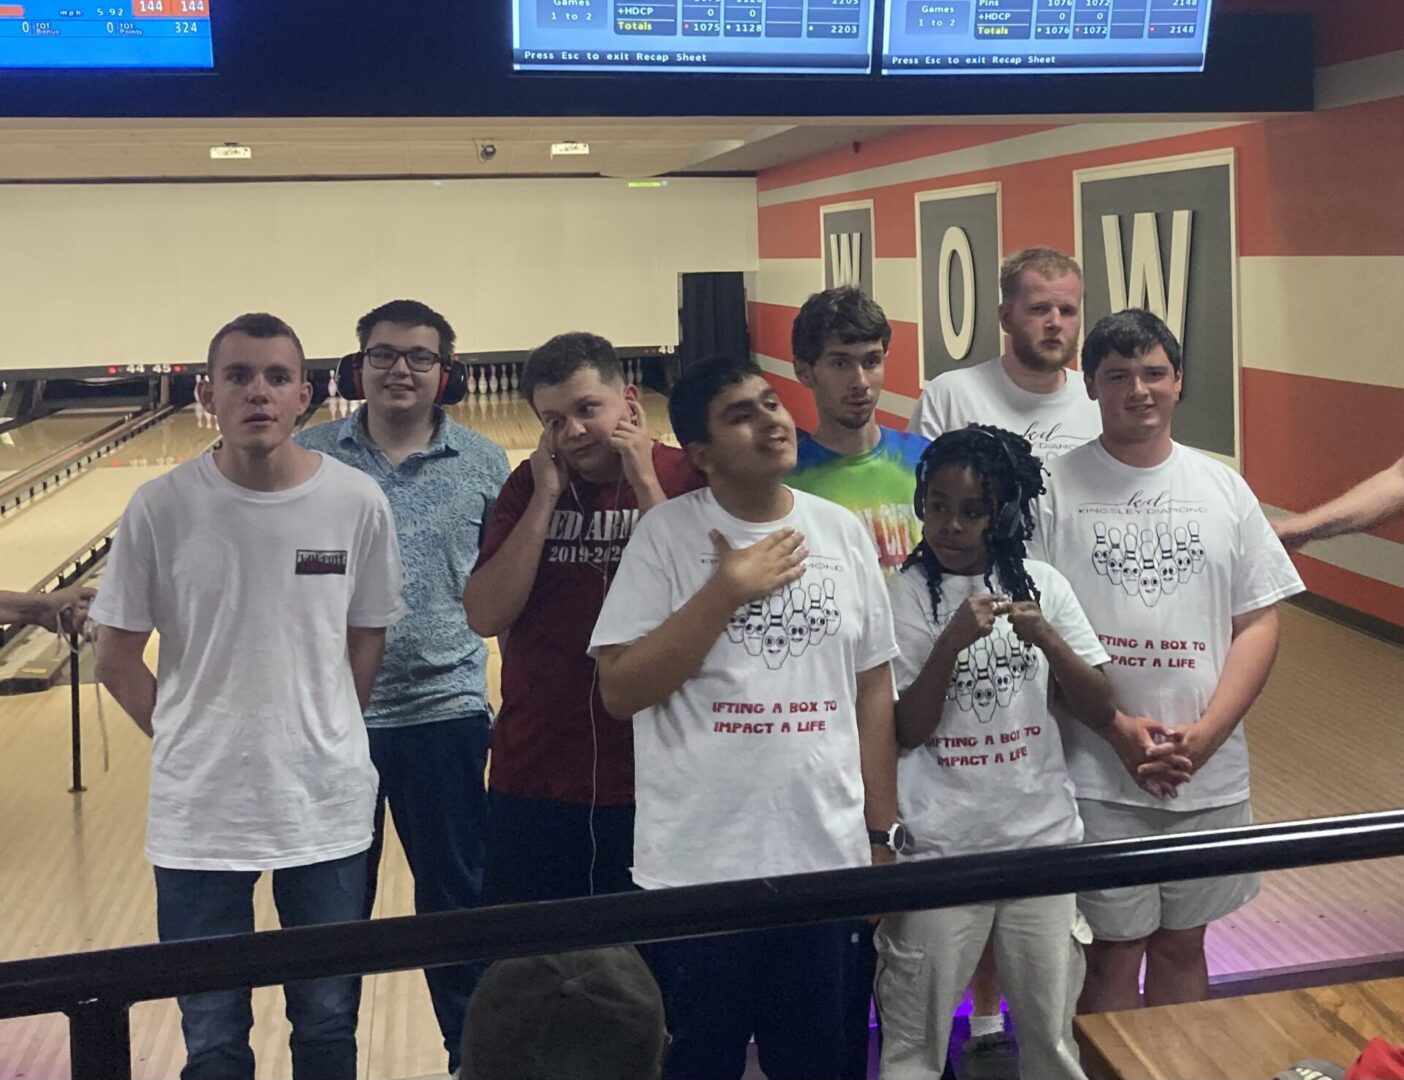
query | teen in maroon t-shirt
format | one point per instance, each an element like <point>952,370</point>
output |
<point>562,775</point>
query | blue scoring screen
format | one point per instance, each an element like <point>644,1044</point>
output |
<point>124,34</point>
<point>986,37</point>
<point>830,37</point>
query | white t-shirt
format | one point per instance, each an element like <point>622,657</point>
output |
<point>752,767</point>
<point>992,777</point>
<point>1162,560</point>
<point>985,394</point>
<point>260,758</point>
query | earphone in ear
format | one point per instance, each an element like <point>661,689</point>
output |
<point>453,380</point>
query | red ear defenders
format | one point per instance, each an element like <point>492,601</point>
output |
<point>453,380</point>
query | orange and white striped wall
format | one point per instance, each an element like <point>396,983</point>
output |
<point>1320,219</point>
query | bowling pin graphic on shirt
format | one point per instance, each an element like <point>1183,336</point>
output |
<point>1184,563</point>
<point>1101,549</point>
<point>1165,560</point>
<point>1149,579</point>
<point>817,620</point>
<point>1196,549</point>
<point>832,616</point>
<point>1116,558</point>
<point>984,692</point>
<point>1003,675</point>
<point>796,623</point>
<point>754,628</point>
<point>776,641</point>
<point>1131,572</point>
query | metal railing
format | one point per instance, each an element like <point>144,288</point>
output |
<point>96,989</point>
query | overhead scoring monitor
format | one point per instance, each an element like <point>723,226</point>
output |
<point>831,37</point>
<point>986,37</point>
<point>79,34</point>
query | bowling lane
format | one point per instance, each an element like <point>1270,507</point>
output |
<point>31,443</point>
<point>50,528</point>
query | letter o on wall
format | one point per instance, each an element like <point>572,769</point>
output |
<point>955,245</point>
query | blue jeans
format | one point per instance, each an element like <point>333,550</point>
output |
<point>216,1025</point>
<point>432,777</point>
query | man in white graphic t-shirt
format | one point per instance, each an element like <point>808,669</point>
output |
<point>749,634</point>
<point>270,574</point>
<point>1027,390</point>
<point>1180,575</point>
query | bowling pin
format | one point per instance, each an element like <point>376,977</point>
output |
<point>492,379</point>
<point>754,629</point>
<point>736,626</point>
<point>1148,580</point>
<point>815,614</point>
<point>777,639</point>
<point>832,616</point>
<point>1183,562</point>
<point>515,381</point>
<point>1003,675</point>
<point>1100,548</point>
<point>796,624</point>
<point>1196,548</point>
<point>1169,573</point>
<point>1116,558</point>
<point>1131,573</point>
<point>964,682</point>
<point>1017,664</point>
<point>984,691</point>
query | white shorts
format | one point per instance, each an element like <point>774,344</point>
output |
<point>1139,911</point>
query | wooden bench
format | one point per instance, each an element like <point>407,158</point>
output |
<point>1244,1038</point>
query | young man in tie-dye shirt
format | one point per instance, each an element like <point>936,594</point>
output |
<point>839,343</point>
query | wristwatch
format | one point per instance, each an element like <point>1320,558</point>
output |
<point>896,838</point>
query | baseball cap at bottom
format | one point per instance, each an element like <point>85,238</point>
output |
<point>593,1015</point>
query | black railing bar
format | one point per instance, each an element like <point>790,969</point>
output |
<point>150,972</point>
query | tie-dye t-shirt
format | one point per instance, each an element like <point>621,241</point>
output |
<point>877,486</point>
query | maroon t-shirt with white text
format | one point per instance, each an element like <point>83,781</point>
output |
<point>542,746</point>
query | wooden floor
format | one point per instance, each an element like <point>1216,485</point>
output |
<point>1325,740</point>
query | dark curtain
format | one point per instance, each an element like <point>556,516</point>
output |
<point>713,317</point>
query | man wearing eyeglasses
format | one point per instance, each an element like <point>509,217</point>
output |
<point>428,718</point>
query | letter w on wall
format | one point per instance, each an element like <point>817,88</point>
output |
<point>846,258</point>
<point>1145,286</point>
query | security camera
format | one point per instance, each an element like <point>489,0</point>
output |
<point>486,152</point>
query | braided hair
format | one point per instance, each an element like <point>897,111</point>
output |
<point>1010,477</point>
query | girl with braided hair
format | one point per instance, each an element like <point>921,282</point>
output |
<point>982,631</point>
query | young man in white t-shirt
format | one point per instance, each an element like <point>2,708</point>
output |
<point>270,573</point>
<point>1028,389</point>
<point>749,635</point>
<point>1180,575</point>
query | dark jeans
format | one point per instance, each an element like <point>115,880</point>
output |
<point>785,987</point>
<point>432,777</point>
<point>210,903</point>
<point>541,849</point>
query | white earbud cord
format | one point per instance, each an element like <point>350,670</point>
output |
<point>594,682</point>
